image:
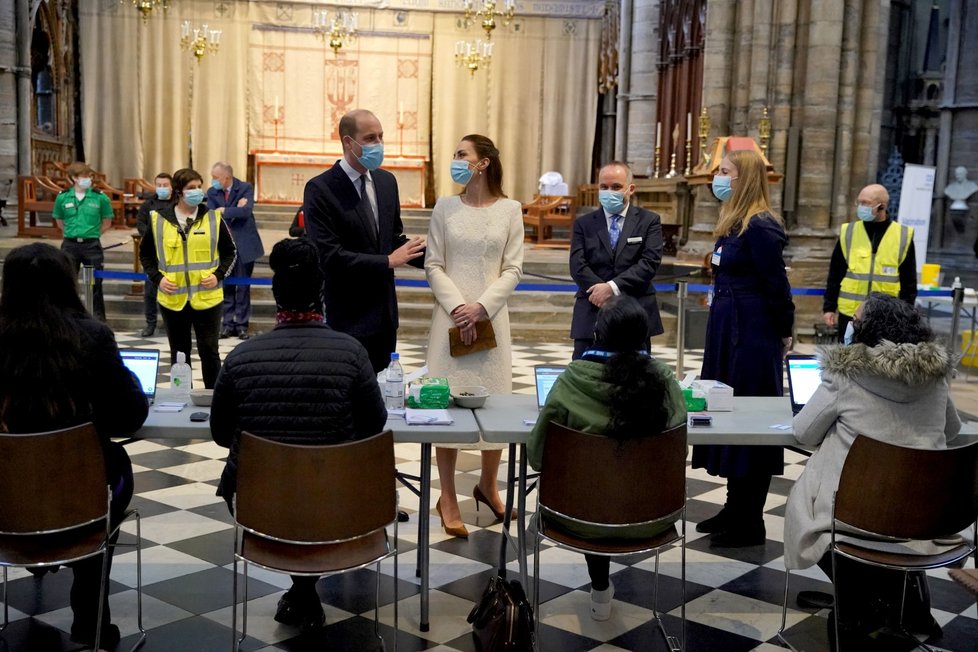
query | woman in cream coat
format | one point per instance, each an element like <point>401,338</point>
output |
<point>474,262</point>
<point>892,384</point>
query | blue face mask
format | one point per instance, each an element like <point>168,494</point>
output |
<point>371,156</point>
<point>193,197</point>
<point>216,184</point>
<point>84,182</point>
<point>865,213</point>
<point>721,188</point>
<point>612,201</point>
<point>461,172</point>
<point>849,334</point>
<point>163,193</point>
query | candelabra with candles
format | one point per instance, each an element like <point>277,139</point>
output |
<point>199,41</point>
<point>473,54</point>
<point>704,133</point>
<point>764,131</point>
<point>338,30</point>
<point>486,11</point>
<point>146,7</point>
<point>672,157</point>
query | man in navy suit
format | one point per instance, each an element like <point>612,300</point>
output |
<point>353,214</point>
<point>614,250</point>
<point>237,198</point>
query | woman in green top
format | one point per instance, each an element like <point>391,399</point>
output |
<point>616,389</point>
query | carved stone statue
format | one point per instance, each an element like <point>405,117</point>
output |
<point>960,189</point>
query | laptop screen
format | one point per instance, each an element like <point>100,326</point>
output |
<point>804,377</point>
<point>145,363</point>
<point>545,377</point>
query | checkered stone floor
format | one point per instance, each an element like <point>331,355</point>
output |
<point>733,597</point>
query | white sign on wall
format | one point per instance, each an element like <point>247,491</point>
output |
<point>916,199</point>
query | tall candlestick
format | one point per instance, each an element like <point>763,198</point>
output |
<point>658,134</point>
<point>689,125</point>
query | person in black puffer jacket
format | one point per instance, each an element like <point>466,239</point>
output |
<point>301,383</point>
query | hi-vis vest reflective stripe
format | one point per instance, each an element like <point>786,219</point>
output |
<point>186,261</point>
<point>868,272</point>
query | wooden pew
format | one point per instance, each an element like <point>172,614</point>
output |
<point>35,197</point>
<point>544,213</point>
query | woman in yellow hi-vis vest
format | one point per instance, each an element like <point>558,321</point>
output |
<point>187,253</point>
<point>873,254</point>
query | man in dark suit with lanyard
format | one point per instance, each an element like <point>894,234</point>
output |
<point>353,215</point>
<point>237,198</point>
<point>614,250</point>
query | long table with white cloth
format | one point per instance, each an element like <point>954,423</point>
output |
<point>508,419</point>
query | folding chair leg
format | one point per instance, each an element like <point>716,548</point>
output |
<point>397,627</point>
<point>6,615</point>
<point>234,603</point>
<point>139,585</point>
<point>536,574</point>
<point>103,592</point>
<point>671,641</point>
<point>383,645</point>
<point>784,610</point>
<point>244,605</point>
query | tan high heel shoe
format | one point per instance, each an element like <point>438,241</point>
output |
<point>481,498</point>
<point>458,531</point>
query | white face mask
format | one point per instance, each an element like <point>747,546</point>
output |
<point>849,334</point>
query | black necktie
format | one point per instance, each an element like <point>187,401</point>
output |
<point>366,200</point>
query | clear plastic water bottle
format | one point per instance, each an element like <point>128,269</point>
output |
<point>394,385</point>
<point>180,378</point>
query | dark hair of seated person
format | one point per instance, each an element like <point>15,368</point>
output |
<point>297,281</point>
<point>888,318</point>
<point>622,329</point>
<point>40,341</point>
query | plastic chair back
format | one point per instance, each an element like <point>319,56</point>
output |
<point>332,492</point>
<point>909,493</point>
<point>52,481</point>
<point>597,479</point>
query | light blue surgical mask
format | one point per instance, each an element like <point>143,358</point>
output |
<point>613,201</point>
<point>721,187</point>
<point>371,156</point>
<point>84,182</point>
<point>163,193</point>
<point>865,213</point>
<point>849,334</point>
<point>193,197</point>
<point>461,172</point>
<point>216,184</point>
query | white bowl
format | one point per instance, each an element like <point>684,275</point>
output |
<point>201,397</point>
<point>471,396</point>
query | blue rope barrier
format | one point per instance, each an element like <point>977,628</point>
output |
<point>522,287</point>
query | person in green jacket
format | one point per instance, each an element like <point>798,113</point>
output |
<point>616,389</point>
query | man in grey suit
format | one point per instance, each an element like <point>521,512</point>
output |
<point>353,215</point>
<point>614,250</point>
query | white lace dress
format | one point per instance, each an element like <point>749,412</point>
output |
<point>474,255</point>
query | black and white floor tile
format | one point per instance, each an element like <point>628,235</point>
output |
<point>733,597</point>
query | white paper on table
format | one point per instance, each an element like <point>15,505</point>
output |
<point>781,426</point>
<point>168,406</point>
<point>416,417</point>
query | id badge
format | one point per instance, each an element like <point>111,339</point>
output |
<point>715,260</point>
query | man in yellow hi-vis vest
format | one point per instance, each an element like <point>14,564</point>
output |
<point>187,253</point>
<point>873,254</point>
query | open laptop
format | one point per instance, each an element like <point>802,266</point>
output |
<point>145,363</point>
<point>804,377</point>
<point>545,376</point>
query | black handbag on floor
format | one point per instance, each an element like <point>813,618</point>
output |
<point>503,618</point>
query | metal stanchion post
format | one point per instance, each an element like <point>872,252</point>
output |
<point>681,294</point>
<point>88,286</point>
<point>957,298</point>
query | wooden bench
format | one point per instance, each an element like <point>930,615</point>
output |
<point>545,212</point>
<point>35,196</point>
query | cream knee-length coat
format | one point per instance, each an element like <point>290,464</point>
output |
<point>474,255</point>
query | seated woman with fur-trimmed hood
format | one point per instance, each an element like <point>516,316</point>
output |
<point>891,383</point>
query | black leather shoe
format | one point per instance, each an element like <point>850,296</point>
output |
<point>306,614</point>
<point>226,333</point>
<point>402,516</point>
<point>243,335</point>
<point>717,523</point>
<point>148,330</point>
<point>739,538</point>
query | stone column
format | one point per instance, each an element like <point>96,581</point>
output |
<point>642,100</point>
<point>8,98</point>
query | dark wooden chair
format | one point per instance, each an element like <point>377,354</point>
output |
<point>546,212</point>
<point>899,494</point>
<point>596,480</point>
<point>55,508</point>
<point>314,511</point>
